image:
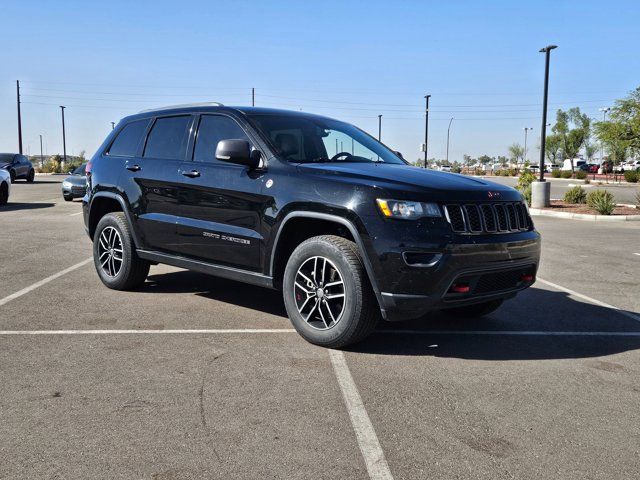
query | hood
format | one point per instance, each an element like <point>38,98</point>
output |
<point>79,180</point>
<point>411,181</point>
<point>4,165</point>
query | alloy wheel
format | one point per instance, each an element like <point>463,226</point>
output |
<point>319,293</point>
<point>110,251</point>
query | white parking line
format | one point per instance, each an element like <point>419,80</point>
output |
<point>147,331</point>
<point>44,281</point>
<point>637,254</point>
<point>630,315</point>
<point>372,453</point>
<point>74,214</point>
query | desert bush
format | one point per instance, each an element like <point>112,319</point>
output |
<point>555,173</point>
<point>637,199</point>
<point>596,195</point>
<point>632,176</point>
<point>526,194</point>
<point>603,205</point>
<point>575,195</point>
<point>581,174</point>
<point>566,174</point>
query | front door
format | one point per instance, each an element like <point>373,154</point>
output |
<point>220,203</point>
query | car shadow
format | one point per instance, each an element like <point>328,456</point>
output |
<point>13,206</point>
<point>538,324</point>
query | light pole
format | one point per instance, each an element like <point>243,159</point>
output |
<point>64,139</point>
<point>379,128</point>
<point>541,190</point>
<point>426,130</point>
<point>526,131</point>
<point>448,131</point>
<point>604,111</point>
<point>19,117</point>
<point>41,155</point>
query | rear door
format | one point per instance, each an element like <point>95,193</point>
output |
<point>220,203</point>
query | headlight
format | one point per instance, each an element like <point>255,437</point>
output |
<point>66,184</point>
<point>407,210</point>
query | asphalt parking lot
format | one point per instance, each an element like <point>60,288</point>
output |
<point>198,377</point>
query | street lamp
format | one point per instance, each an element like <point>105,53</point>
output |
<point>448,129</point>
<point>64,140</point>
<point>604,111</point>
<point>426,129</point>
<point>526,131</point>
<point>379,128</point>
<point>541,190</point>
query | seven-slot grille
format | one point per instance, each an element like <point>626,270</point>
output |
<point>503,217</point>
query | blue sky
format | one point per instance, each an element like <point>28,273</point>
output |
<point>349,60</point>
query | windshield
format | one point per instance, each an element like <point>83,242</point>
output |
<point>309,139</point>
<point>80,170</point>
<point>6,157</point>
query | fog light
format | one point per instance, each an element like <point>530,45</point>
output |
<point>460,288</point>
<point>526,277</point>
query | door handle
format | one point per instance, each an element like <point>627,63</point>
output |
<point>134,168</point>
<point>191,174</point>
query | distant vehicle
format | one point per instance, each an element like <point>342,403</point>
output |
<point>445,168</point>
<point>576,164</point>
<point>633,165</point>
<point>584,167</point>
<point>75,186</point>
<point>18,166</point>
<point>5,186</point>
<point>593,168</point>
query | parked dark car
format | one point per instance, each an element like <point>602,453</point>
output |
<point>75,186</point>
<point>315,207</point>
<point>593,168</point>
<point>584,167</point>
<point>18,166</point>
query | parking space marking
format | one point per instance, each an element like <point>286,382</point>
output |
<point>147,331</point>
<point>372,453</point>
<point>630,315</point>
<point>637,254</point>
<point>74,214</point>
<point>511,332</point>
<point>44,281</point>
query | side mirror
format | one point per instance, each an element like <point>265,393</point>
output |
<point>398,154</point>
<point>237,151</point>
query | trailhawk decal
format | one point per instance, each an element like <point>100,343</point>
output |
<point>226,238</point>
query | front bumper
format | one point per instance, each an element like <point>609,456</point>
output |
<point>490,266</point>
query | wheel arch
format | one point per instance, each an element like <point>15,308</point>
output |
<point>103,203</point>
<point>279,252</point>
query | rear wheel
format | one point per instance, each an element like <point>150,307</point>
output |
<point>114,254</point>
<point>477,310</point>
<point>4,193</point>
<point>327,294</point>
<point>31,176</point>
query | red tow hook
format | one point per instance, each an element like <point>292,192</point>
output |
<point>526,277</point>
<point>460,288</point>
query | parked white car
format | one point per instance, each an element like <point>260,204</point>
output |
<point>628,166</point>
<point>445,168</point>
<point>5,186</point>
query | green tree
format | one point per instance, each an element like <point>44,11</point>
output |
<point>574,128</point>
<point>484,159</point>
<point>553,148</point>
<point>621,133</point>
<point>516,152</point>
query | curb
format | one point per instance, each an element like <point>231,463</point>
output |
<point>584,216</point>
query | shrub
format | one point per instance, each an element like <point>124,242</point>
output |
<point>596,195</point>
<point>575,195</point>
<point>513,172</point>
<point>566,174</point>
<point>555,173</point>
<point>525,179</point>
<point>631,176</point>
<point>526,193</point>
<point>581,174</point>
<point>604,205</point>
<point>637,198</point>
<point>504,173</point>
<point>456,169</point>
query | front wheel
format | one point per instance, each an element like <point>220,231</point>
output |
<point>477,310</point>
<point>31,176</point>
<point>327,293</point>
<point>4,193</point>
<point>114,254</point>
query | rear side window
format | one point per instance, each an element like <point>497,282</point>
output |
<point>214,128</point>
<point>127,141</point>
<point>168,138</point>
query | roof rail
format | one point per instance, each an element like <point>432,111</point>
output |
<point>185,105</point>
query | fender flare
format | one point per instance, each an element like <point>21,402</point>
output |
<point>354,232</point>
<point>125,210</point>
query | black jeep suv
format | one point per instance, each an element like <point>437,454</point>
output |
<point>306,204</point>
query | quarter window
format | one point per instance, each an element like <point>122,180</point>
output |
<point>214,128</point>
<point>127,141</point>
<point>168,138</point>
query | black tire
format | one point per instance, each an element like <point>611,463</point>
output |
<point>477,310</point>
<point>12,174</point>
<point>4,193</point>
<point>133,270</point>
<point>359,312</point>
<point>67,198</point>
<point>31,176</point>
